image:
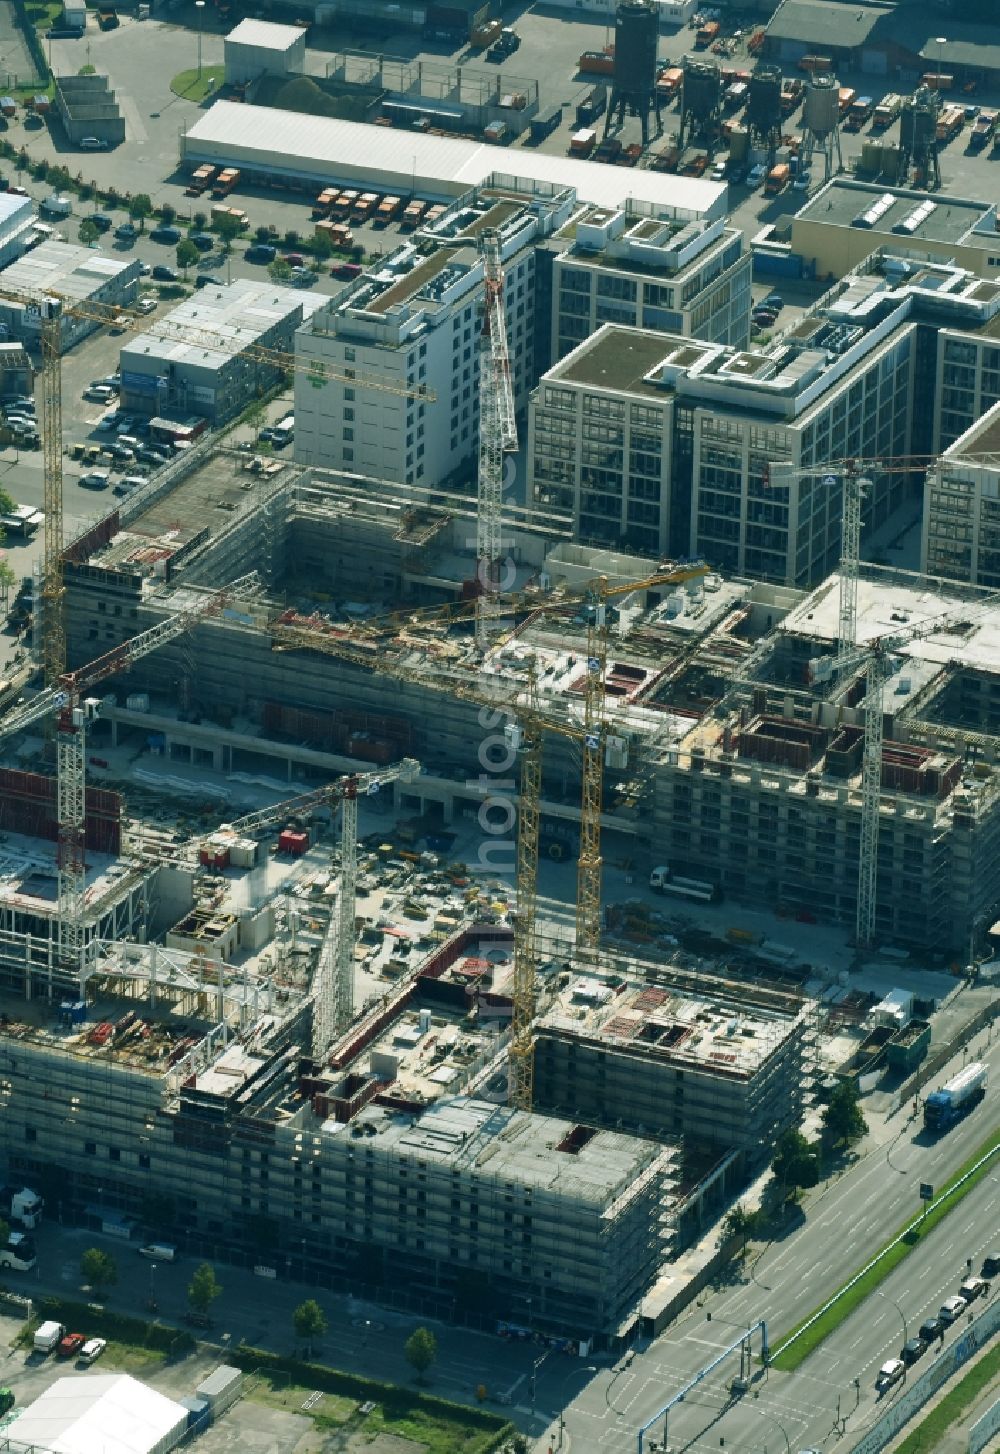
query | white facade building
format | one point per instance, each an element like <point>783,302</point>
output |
<point>17,216</point>
<point>258,47</point>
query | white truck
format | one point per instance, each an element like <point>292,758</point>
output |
<point>47,1336</point>
<point>23,1206</point>
<point>665,881</point>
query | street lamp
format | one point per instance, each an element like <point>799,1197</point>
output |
<point>590,1368</point>
<point>199,5</point>
<point>899,1310</point>
<point>152,1287</point>
<point>940,41</point>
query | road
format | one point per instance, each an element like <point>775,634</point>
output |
<point>846,1221</point>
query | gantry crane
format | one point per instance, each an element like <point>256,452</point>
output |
<point>528,724</point>
<point>54,308</point>
<point>497,433</point>
<point>66,698</point>
<point>875,658</point>
<point>333,984</point>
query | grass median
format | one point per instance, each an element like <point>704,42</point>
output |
<point>197,86</point>
<point>930,1433</point>
<point>796,1345</point>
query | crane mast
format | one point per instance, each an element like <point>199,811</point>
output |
<point>53,627</point>
<point>497,433</point>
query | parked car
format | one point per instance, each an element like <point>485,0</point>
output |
<point>756,175</point>
<point>951,1310</point>
<point>145,269</point>
<point>203,241</point>
<point>261,252</point>
<point>101,221</point>
<point>345,270</point>
<point>164,274</point>
<point>95,480</point>
<point>126,232</point>
<point>208,280</point>
<point>890,1373</point>
<point>773,300</point>
<point>913,1349</point>
<point>93,143</point>
<point>70,1346</point>
<point>152,456</point>
<point>146,305</point>
<point>972,1288</point>
<point>92,1350</point>
<point>930,1329</point>
<point>991,1264</point>
<point>295,259</point>
<point>718,172</point>
<point>165,234</point>
<point>802,182</point>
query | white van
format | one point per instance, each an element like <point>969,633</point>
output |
<point>96,479</point>
<point>159,1252</point>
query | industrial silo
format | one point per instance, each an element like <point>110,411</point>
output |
<point>701,99</point>
<point>821,123</point>
<point>918,145</point>
<point>634,84</point>
<point>763,113</point>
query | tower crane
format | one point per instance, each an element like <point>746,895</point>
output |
<point>333,986</point>
<point>497,432</point>
<point>875,657</point>
<point>528,726</point>
<point>54,307</point>
<point>65,698</point>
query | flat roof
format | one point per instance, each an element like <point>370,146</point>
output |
<point>820,23</point>
<point>331,150</point>
<point>616,358</point>
<point>265,35</point>
<point>981,438</point>
<point>66,269</point>
<point>230,318</point>
<point>951,220</point>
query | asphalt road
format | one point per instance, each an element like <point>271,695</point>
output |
<point>846,1221</point>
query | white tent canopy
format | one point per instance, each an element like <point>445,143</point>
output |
<point>99,1414</point>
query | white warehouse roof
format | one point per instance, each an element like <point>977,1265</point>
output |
<point>262,139</point>
<point>102,1414</point>
<point>264,35</point>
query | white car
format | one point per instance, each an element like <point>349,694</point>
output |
<point>951,1309</point>
<point>802,182</point>
<point>146,305</point>
<point>93,143</point>
<point>890,1373</point>
<point>145,269</point>
<point>92,1350</point>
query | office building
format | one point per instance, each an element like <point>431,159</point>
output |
<point>71,274</point>
<point>961,521</point>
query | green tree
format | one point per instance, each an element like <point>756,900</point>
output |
<point>292,238</point>
<point>843,1119</point>
<point>740,1222</point>
<point>228,228</point>
<point>280,271</point>
<point>420,1350</point>
<point>310,1323</point>
<point>88,232</point>
<point>795,1163</point>
<point>167,213</point>
<point>99,1269</point>
<point>254,415</point>
<point>199,221</point>
<point>59,178</point>
<point>187,254</point>
<point>139,208</point>
<point>203,1288</point>
<point>322,246</point>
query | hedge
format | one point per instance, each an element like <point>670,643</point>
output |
<point>103,1322</point>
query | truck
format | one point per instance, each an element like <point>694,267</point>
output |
<point>225,181</point>
<point>668,83</point>
<point>18,1253</point>
<point>201,178</point>
<point>861,110</point>
<point>944,1107</point>
<point>949,123</point>
<point>665,881</point>
<point>365,207</point>
<point>937,81</point>
<point>887,110</point>
<point>325,201</point>
<point>21,1205</point>
<point>706,34</point>
<point>413,214</point>
<point>48,1336</point>
<point>777,179</point>
<point>387,209</point>
<point>846,97</point>
<point>582,142</point>
<point>983,128</point>
<point>484,35</point>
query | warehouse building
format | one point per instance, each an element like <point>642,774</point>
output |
<point>87,106</point>
<point>674,445</point>
<point>961,522</point>
<point>72,274</point>
<point>679,277</point>
<point>261,48</point>
<point>200,358</point>
<point>17,219</point>
<point>110,1411</point>
<point>837,228</point>
<point>266,143</point>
